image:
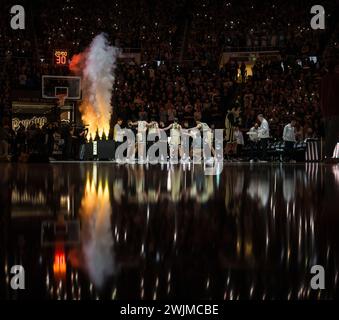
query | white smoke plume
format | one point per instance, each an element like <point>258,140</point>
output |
<point>96,65</point>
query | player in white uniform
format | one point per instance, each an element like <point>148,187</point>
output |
<point>155,129</point>
<point>175,139</point>
<point>141,138</point>
<point>207,136</point>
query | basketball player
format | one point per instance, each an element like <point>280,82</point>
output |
<point>155,130</point>
<point>231,120</point>
<point>141,138</point>
<point>175,140</point>
<point>207,139</point>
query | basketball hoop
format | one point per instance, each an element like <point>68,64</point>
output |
<point>61,99</point>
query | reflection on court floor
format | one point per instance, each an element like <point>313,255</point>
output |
<point>164,231</point>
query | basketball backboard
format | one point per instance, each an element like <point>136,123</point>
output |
<point>54,86</point>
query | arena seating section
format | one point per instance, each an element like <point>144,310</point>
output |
<point>180,43</point>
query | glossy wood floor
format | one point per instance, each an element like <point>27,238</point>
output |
<point>103,231</point>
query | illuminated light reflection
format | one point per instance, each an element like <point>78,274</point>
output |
<point>114,294</point>
<point>335,170</point>
<point>59,265</point>
<point>98,242</point>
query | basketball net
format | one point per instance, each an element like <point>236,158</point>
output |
<point>61,99</point>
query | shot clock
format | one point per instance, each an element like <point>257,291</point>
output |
<point>60,57</point>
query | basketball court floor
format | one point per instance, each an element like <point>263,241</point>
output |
<point>108,231</point>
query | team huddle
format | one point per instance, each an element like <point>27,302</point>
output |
<point>153,140</point>
<point>150,140</point>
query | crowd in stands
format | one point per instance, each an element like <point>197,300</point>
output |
<point>180,43</point>
<point>162,93</point>
<point>256,24</point>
